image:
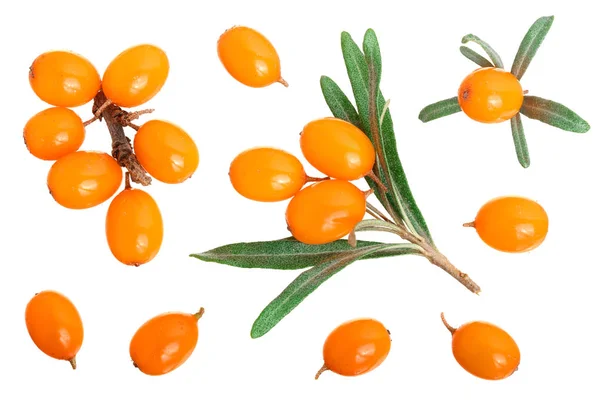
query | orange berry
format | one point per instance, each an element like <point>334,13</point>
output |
<point>135,75</point>
<point>249,57</point>
<point>64,79</point>
<point>511,224</point>
<point>165,342</point>
<point>53,133</point>
<point>484,350</point>
<point>166,151</point>
<point>267,174</point>
<point>356,347</point>
<point>337,148</point>
<point>134,227</point>
<point>84,179</point>
<point>54,325</point>
<point>490,95</point>
<point>325,211</point>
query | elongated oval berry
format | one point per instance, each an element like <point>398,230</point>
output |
<point>325,211</point>
<point>135,75</point>
<point>337,148</point>
<point>84,179</point>
<point>166,151</point>
<point>53,133</point>
<point>165,342</point>
<point>55,326</point>
<point>249,57</point>
<point>511,224</point>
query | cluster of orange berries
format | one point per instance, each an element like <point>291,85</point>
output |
<point>81,179</point>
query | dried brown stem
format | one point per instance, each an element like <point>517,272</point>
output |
<point>319,372</point>
<point>373,211</point>
<point>313,179</point>
<point>447,325</point>
<point>73,363</point>
<point>199,314</point>
<point>283,82</point>
<point>377,181</point>
<point>469,224</point>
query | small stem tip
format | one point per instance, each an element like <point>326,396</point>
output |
<point>450,328</point>
<point>312,179</point>
<point>323,369</point>
<point>73,363</point>
<point>469,224</point>
<point>283,82</point>
<point>525,91</point>
<point>377,181</point>
<point>199,314</point>
<point>368,192</point>
<point>127,180</point>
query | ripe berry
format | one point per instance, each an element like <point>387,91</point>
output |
<point>166,151</point>
<point>511,224</point>
<point>53,133</point>
<point>356,347</point>
<point>337,149</point>
<point>135,75</point>
<point>484,350</point>
<point>249,57</point>
<point>490,95</point>
<point>325,211</point>
<point>55,326</point>
<point>165,342</point>
<point>84,179</point>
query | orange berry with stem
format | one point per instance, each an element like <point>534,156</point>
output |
<point>135,75</point>
<point>55,326</point>
<point>84,179</point>
<point>165,342</point>
<point>325,211</point>
<point>484,350</point>
<point>249,57</point>
<point>53,133</point>
<point>511,224</point>
<point>490,95</point>
<point>356,347</point>
<point>166,151</point>
<point>337,148</point>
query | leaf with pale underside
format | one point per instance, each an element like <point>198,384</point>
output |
<point>475,57</point>
<point>520,142</point>
<point>494,56</point>
<point>530,45</point>
<point>440,109</point>
<point>554,114</point>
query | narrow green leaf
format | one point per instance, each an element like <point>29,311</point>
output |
<point>338,102</point>
<point>495,57</point>
<point>518,134</point>
<point>475,57</point>
<point>440,109</point>
<point>554,114</point>
<point>530,45</point>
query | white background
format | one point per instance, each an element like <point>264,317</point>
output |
<point>547,299</point>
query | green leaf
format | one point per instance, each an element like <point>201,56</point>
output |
<point>530,45</point>
<point>495,57</point>
<point>338,102</point>
<point>440,109</point>
<point>475,57</point>
<point>518,134</point>
<point>554,114</point>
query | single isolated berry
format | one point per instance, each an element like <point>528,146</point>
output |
<point>249,57</point>
<point>55,326</point>
<point>511,224</point>
<point>484,350</point>
<point>356,347</point>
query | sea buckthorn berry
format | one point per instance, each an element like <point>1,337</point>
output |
<point>511,224</point>
<point>249,57</point>
<point>165,342</point>
<point>166,151</point>
<point>337,148</point>
<point>484,350</point>
<point>53,133</point>
<point>64,79</point>
<point>55,326</point>
<point>325,211</point>
<point>135,75</point>
<point>490,95</point>
<point>356,347</point>
<point>84,179</point>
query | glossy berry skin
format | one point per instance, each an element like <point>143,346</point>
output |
<point>134,227</point>
<point>512,224</point>
<point>64,79</point>
<point>166,151</point>
<point>53,133</point>
<point>325,211</point>
<point>165,342</point>
<point>337,148</point>
<point>490,95</point>
<point>84,179</point>
<point>249,57</point>
<point>54,325</point>
<point>267,174</point>
<point>135,75</point>
<point>356,347</point>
